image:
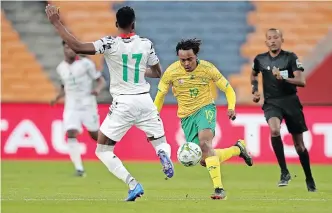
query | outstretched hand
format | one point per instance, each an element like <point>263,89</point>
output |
<point>53,13</point>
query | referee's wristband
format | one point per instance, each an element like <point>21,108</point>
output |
<point>254,84</point>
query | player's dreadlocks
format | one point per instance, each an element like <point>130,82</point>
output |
<point>188,44</point>
<point>125,17</point>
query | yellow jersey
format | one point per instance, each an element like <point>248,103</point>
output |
<point>191,89</point>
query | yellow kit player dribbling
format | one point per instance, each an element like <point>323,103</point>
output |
<point>191,79</point>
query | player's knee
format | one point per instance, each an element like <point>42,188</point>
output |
<point>101,148</point>
<point>275,131</point>
<point>104,140</point>
<point>72,133</point>
<point>299,147</point>
<point>94,135</point>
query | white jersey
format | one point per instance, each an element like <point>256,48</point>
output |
<point>127,61</point>
<point>77,79</point>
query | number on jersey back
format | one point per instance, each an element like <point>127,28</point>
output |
<point>127,61</point>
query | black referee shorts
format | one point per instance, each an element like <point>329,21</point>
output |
<point>288,108</point>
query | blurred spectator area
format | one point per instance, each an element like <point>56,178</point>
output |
<point>22,77</point>
<point>233,33</point>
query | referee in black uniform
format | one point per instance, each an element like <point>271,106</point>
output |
<point>282,73</point>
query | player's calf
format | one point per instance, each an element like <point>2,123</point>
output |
<point>104,152</point>
<point>74,152</point>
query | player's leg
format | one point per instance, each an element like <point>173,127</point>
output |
<point>113,128</point>
<point>205,120</point>
<point>90,120</point>
<point>150,122</point>
<point>296,125</point>
<point>239,149</point>
<point>72,126</point>
<point>274,116</point>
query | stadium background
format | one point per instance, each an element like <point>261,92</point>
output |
<point>232,34</point>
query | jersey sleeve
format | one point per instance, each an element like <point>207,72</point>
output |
<point>165,82</point>
<point>255,65</point>
<point>103,45</point>
<point>216,76</point>
<point>152,57</point>
<point>92,71</point>
<point>295,63</point>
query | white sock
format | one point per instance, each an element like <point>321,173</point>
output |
<point>161,144</point>
<point>75,154</point>
<point>114,164</point>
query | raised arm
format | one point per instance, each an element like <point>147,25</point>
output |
<point>76,45</point>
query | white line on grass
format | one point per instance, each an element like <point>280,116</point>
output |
<point>163,199</point>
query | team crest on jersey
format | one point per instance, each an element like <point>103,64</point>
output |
<point>205,80</point>
<point>181,81</point>
<point>268,67</point>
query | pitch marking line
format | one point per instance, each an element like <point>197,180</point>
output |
<point>163,199</point>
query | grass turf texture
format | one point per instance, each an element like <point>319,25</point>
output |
<point>40,187</point>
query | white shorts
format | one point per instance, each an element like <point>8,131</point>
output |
<point>74,118</point>
<point>129,110</point>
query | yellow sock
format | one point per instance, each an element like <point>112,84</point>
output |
<point>225,154</point>
<point>213,166</point>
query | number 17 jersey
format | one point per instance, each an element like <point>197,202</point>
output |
<point>127,60</point>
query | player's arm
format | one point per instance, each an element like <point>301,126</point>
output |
<point>297,68</point>
<point>163,88</point>
<point>154,70</point>
<point>87,48</point>
<point>60,95</point>
<point>254,76</point>
<point>224,86</point>
<point>254,80</point>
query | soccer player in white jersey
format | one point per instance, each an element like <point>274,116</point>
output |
<point>128,57</point>
<point>77,78</point>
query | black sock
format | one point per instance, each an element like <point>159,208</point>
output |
<point>305,162</point>
<point>278,148</point>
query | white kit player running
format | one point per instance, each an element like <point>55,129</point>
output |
<point>129,59</point>
<point>77,78</point>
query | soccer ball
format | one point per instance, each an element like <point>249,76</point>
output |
<point>189,154</point>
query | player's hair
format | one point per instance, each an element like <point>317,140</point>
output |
<point>189,44</point>
<point>276,30</point>
<point>125,16</point>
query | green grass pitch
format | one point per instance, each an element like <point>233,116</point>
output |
<point>50,187</point>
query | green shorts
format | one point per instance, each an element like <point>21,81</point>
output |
<point>205,118</point>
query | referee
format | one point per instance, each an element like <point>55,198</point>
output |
<point>282,73</point>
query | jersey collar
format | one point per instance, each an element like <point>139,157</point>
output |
<point>126,36</point>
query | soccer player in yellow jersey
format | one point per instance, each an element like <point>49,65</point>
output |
<point>190,80</point>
